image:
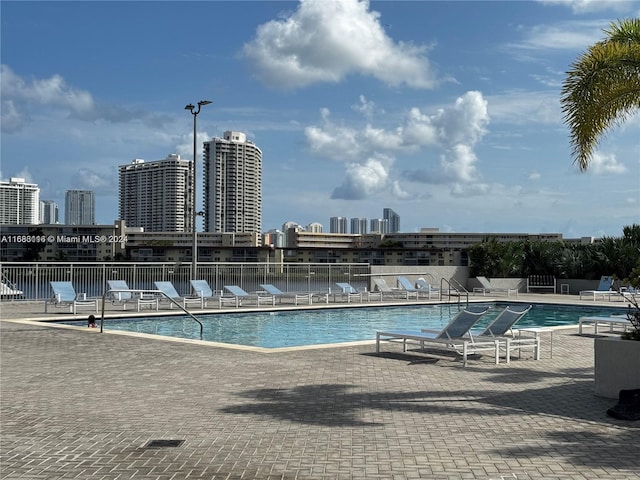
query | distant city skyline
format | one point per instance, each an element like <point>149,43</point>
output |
<point>355,105</point>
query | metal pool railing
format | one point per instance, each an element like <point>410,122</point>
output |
<point>32,278</point>
<point>143,292</point>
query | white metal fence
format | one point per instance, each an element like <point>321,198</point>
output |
<point>32,279</point>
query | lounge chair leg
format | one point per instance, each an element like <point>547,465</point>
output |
<point>508,356</point>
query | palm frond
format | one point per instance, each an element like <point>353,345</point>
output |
<point>602,88</point>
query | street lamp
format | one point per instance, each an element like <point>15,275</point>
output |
<point>194,251</point>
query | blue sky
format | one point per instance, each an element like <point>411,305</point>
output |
<point>447,112</point>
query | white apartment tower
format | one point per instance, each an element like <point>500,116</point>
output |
<point>314,227</point>
<point>393,218</point>
<point>156,195</point>
<point>19,202</point>
<point>48,212</point>
<point>338,225</point>
<point>232,184</point>
<point>379,225</point>
<point>79,207</point>
<point>359,226</point>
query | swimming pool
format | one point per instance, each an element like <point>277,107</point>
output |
<point>294,328</point>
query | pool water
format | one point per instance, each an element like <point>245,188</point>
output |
<point>275,329</point>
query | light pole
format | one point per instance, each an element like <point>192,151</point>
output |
<point>194,248</point>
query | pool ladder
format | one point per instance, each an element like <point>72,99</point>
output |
<point>453,288</point>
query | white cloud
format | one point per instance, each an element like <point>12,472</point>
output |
<point>602,164</point>
<point>575,35</point>
<point>469,189</point>
<point>326,40</point>
<point>520,107</point>
<point>454,131</point>
<point>362,180</point>
<point>98,179</point>
<point>12,119</point>
<point>459,164</point>
<point>52,91</point>
<point>366,107</point>
<point>587,6</point>
<point>18,93</point>
<point>21,96</point>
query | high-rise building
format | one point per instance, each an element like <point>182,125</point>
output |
<point>314,227</point>
<point>338,225</point>
<point>19,202</point>
<point>156,195</point>
<point>359,226</point>
<point>232,184</point>
<point>79,207</point>
<point>379,225</point>
<point>393,218</point>
<point>48,212</point>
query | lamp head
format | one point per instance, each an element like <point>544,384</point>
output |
<point>189,107</point>
<point>203,102</point>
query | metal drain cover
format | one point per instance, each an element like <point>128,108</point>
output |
<point>164,443</point>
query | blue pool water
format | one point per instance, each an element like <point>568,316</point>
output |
<point>315,327</point>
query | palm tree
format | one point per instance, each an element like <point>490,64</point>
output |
<point>602,88</point>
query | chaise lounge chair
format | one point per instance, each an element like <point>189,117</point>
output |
<point>409,287</point>
<point>486,287</point>
<point>64,295</point>
<point>202,290</point>
<point>241,296</point>
<point>351,293</point>
<point>604,289</point>
<point>280,295</point>
<point>423,286</point>
<point>453,337</point>
<point>496,336</point>
<point>120,293</point>
<point>172,294</point>
<point>382,286</point>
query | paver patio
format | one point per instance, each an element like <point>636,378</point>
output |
<point>79,404</point>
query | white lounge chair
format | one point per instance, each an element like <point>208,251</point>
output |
<point>423,286</point>
<point>280,295</point>
<point>242,295</point>
<point>499,335</point>
<point>409,287</point>
<point>64,295</point>
<point>604,289</point>
<point>202,290</point>
<point>486,287</point>
<point>382,286</point>
<point>171,293</point>
<point>120,293</point>
<point>454,336</point>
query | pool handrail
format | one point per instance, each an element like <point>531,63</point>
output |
<point>453,285</point>
<point>133,290</point>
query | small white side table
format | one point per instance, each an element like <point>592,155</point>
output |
<point>537,331</point>
<point>564,288</point>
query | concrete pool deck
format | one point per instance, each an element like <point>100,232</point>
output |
<point>78,404</point>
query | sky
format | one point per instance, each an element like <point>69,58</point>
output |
<point>448,112</point>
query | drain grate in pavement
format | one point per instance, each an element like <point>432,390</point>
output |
<point>164,443</point>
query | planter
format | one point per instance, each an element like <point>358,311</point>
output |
<point>617,366</point>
